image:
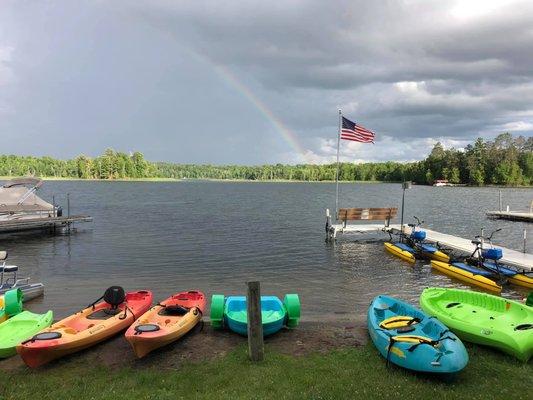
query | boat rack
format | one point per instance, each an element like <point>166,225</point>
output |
<point>523,262</point>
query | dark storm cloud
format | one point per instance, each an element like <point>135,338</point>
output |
<point>414,71</point>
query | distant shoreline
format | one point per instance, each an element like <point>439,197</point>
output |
<point>181,180</point>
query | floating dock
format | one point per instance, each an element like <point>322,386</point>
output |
<point>521,261</point>
<point>51,223</point>
<point>511,215</point>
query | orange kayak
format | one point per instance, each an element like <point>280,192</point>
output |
<point>166,322</point>
<point>86,328</point>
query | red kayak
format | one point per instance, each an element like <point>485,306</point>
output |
<point>166,322</point>
<point>86,328</point>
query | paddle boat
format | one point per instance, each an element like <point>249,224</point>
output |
<point>95,323</point>
<point>30,290</point>
<point>489,259</point>
<point>166,322</point>
<point>483,319</point>
<point>417,241</point>
<point>231,312</point>
<point>409,338</point>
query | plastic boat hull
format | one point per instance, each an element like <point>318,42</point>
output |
<point>83,329</point>
<point>19,328</point>
<point>447,355</point>
<point>169,327</point>
<point>483,319</point>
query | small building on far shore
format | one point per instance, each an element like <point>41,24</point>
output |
<point>442,182</point>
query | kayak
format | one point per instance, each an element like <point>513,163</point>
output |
<point>401,250</point>
<point>483,318</point>
<point>511,275</point>
<point>407,337</point>
<point>166,322</point>
<point>231,312</point>
<point>20,328</point>
<point>87,327</point>
<point>466,276</point>
<point>10,304</point>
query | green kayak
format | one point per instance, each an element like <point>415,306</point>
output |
<point>19,328</point>
<point>483,318</point>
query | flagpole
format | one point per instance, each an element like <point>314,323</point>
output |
<point>337,174</point>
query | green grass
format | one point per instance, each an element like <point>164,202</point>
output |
<point>348,373</point>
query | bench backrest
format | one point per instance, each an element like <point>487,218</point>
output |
<point>354,214</point>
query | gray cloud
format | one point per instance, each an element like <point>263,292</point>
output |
<point>144,75</point>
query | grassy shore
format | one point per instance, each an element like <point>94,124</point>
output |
<point>346,373</point>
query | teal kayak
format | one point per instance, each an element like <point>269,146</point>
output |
<point>19,328</point>
<point>411,339</point>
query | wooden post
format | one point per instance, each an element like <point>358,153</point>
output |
<point>255,324</point>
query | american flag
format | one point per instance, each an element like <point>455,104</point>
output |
<point>351,131</point>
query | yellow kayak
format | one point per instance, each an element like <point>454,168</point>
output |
<point>466,276</point>
<point>401,250</point>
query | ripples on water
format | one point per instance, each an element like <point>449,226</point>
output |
<point>215,236</point>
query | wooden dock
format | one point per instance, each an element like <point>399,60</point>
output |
<point>521,261</point>
<point>50,223</point>
<point>511,215</point>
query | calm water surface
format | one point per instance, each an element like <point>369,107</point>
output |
<point>215,236</point>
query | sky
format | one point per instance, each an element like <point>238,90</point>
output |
<point>254,82</point>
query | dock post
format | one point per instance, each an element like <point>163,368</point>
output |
<point>68,212</point>
<point>328,224</point>
<point>525,239</point>
<point>255,324</point>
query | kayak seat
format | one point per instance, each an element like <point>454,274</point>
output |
<point>414,339</point>
<point>104,313</point>
<point>114,296</point>
<point>175,310</point>
<point>398,321</point>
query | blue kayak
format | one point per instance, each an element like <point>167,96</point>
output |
<point>409,338</point>
<point>472,269</point>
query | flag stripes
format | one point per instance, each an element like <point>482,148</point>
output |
<point>356,133</point>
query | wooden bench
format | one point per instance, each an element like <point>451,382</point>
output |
<point>359,214</point>
<point>371,214</point>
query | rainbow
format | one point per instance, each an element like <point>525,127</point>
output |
<point>289,136</point>
<point>231,80</point>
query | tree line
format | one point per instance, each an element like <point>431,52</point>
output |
<point>507,160</point>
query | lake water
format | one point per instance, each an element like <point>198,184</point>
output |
<point>215,236</point>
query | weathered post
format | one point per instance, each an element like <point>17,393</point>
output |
<point>525,239</point>
<point>255,326</point>
<point>68,212</point>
